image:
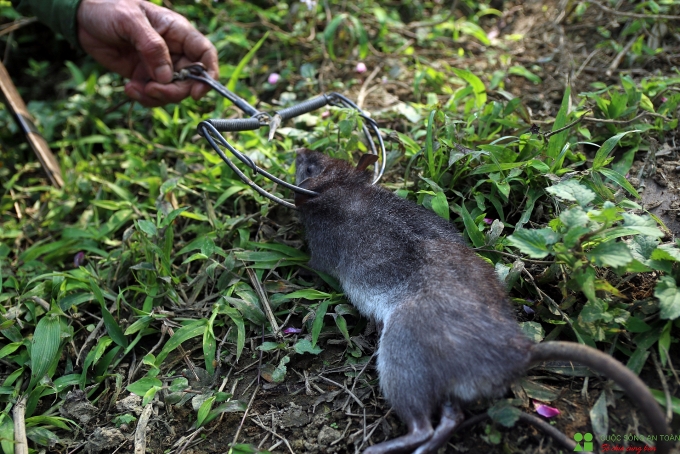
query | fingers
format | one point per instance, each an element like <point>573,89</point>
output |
<point>140,40</point>
<point>182,38</point>
<point>153,94</point>
<point>152,48</point>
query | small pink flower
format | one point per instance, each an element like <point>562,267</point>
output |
<point>78,259</point>
<point>273,78</point>
<point>326,114</point>
<point>291,330</point>
<point>361,67</point>
<point>488,221</point>
<point>544,410</point>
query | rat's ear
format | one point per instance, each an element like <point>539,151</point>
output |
<point>366,160</point>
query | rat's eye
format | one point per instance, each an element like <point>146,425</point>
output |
<point>309,170</point>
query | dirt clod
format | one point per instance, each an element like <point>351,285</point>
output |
<point>76,406</point>
<point>105,439</point>
<point>131,404</point>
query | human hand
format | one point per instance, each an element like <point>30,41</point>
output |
<point>145,42</point>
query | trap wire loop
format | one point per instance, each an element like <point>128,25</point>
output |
<point>212,129</point>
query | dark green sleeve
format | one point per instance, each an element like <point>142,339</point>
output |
<point>59,15</point>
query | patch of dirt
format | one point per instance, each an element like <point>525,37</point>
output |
<point>658,181</point>
<point>309,414</point>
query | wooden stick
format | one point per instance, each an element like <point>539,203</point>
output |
<point>27,125</point>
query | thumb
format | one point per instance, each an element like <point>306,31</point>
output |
<point>153,51</point>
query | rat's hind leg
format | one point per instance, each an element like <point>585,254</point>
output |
<point>419,431</point>
<point>452,416</point>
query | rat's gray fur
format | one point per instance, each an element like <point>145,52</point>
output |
<point>449,336</point>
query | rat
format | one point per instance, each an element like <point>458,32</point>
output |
<point>448,334</point>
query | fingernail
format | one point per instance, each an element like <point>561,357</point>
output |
<point>163,74</point>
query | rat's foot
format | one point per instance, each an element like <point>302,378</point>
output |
<point>419,431</point>
<point>452,416</point>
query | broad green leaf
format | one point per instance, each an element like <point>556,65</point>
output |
<point>172,216</point>
<point>533,330</point>
<point>666,252</point>
<point>637,325</point>
<point>611,253</point>
<point>112,327</point>
<point>42,436</point>
<point>204,410</point>
<point>186,332</point>
<point>599,417</point>
<point>471,228</point>
<point>305,346</point>
<point>147,227</point>
<point>6,434</point>
<point>585,278</point>
<point>308,294</point>
<point>642,224</point>
<point>602,155</point>
<point>665,343</point>
<point>235,317</point>
<point>476,84</point>
<point>620,180</point>
<point>504,413</point>
<point>143,385</point>
<point>341,323</point>
<point>573,191</point>
<point>522,71</point>
<point>472,29</point>
<point>318,321</point>
<point>574,217</point>
<point>149,395</point>
<point>55,421</point>
<point>227,407</point>
<point>10,348</point>
<point>557,141</point>
<point>660,397</point>
<point>45,346</point>
<point>534,243</point>
<point>669,298</point>
<point>269,346</point>
<point>440,205</point>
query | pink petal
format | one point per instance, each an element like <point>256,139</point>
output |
<point>291,330</point>
<point>488,221</point>
<point>545,410</point>
<point>78,259</point>
<point>361,67</point>
<point>273,78</point>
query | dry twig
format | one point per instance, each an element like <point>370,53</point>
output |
<point>140,432</point>
<point>19,414</point>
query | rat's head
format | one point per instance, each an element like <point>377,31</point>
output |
<point>317,172</point>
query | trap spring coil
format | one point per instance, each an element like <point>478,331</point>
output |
<point>212,129</point>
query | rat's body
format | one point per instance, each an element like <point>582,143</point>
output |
<point>449,336</point>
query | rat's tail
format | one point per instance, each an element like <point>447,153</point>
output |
<point>609,367</point>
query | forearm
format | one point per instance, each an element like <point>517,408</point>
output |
<point>59,15</point>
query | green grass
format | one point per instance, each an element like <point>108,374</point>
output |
<point>172,246</point>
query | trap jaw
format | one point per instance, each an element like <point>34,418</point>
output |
<point>212,129</point>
